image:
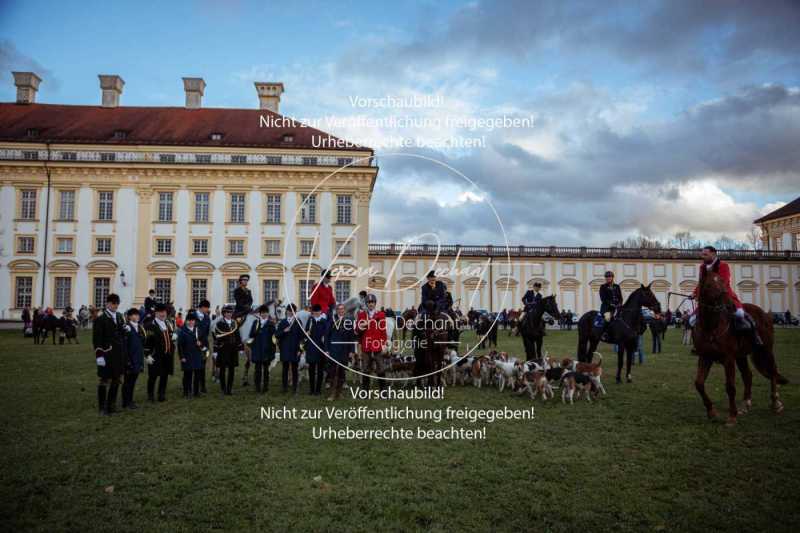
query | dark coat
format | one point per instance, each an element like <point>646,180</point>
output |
<point>161,347</point>
<point>262,349</point>
<point>341,339</point>
<point>108,338</point>
<point>149,306</point>
<point>290,341</point>
<point>610,297</point>
<point>244,301</point>
<point>189,352</point>
<point>226,343</point>
<point>316,340</point>
<point>531,298</point>
<point>204,330</point>
<point>437,293</point>
<point>135,340</point>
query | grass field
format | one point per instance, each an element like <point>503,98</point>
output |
<point>643,458</point>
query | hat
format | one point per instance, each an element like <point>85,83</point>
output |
<point>371,298</point>
<point>204,303</point>
<point>537,284</point>
<point>263,309</point>
<point>609,273</point>
<point>191,315</point>
<point>132,311</point>
<point>326,274</point>
<point>244,276</point>
<point>159,307</point>
<point>112,298</point>
<point>431,274</point>
<point>316,308</point>
<point>227,309</point>
<point>292,308</point>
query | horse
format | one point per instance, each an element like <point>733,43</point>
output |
<point>433,334</point>
<point>716,341</point>
<point>532,327</point>
<point>486,330</point>
<point>622,331</point>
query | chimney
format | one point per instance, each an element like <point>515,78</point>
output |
<point>111,84</point>
<point>269,95</point>
<point>27,84</point>
<point>194,88</point>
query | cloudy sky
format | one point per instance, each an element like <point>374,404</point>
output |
<point>639,118</point>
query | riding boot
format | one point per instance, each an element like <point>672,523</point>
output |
<point>101,398</point>
<point>111,400</point>
<point>756,338</point>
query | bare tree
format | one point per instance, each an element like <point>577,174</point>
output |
<point>754,238</point>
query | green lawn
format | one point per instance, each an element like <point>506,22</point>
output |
<point>643,458</point>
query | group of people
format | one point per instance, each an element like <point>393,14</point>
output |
<point>41,323</point>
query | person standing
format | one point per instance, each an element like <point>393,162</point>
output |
<point>190,351</point>
<point>372,326</point>
<point>203,331</point>
<point>290,335</point>
<point>134,342</point>
<point>226,346</point>
<point>341,345</point>
<point>150,305</point>
<point>161,357</point>
<point>316,339</point>
<point>108,339</point>
<point>262,348</point>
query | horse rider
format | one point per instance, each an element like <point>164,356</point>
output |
<point>610,298</point>
<point>531,299</point>
<point>243,298</point>
<point>322,294</point>
<point>711,263</point>
<point>435,291</point>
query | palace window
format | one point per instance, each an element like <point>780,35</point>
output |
<point>102,288</point>
<point>105,205</point>
<point>30,155</point>
<point>64,245</point>
<point>344,209</point>
<point>273,209</point>
<point>344,248</point>
<point>270,290</point>
<point>344,161</point>
<point>25,245</point>
<point>308,209</point>
<point>199,291</point>
<point>166,158</point>
<point>342,290</point>
<point>23,291</point>
<point>163,246</point>
<point>201,206</point>
<point>163,288</point>
<point>272,247</point>
<point>108,156</point>
<point>202,158</point>
<point>236,247</point>
<point>232,284</point>
<point>27,208</point>
<point>69,156</point>
<point>274,160</point>
<point>237,207</point>
<point>63,296</point>
<point>305,286</point>
<point>238,159</point>
<point>165,207</point>
<point>102,246</point>
<point>309,161</point>
<point>66,205</point>
<point>306,247</point>
<point>200,247</point>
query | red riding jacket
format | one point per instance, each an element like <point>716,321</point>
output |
<point>724,271</point>
<point>373,330</point>
<point>323,295</point>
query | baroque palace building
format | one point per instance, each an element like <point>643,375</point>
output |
<point>182,200</point>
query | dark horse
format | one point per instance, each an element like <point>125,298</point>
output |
<point>622,331</point>
<point>715,340</point>
<point>532,327</point>
<point>433,334</point>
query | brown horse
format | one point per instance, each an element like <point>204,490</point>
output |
<point>716,341</point>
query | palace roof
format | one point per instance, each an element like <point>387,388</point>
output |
<point>171,126</point>
<point>792,208</point>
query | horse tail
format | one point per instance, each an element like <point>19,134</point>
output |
<point>764,361</point>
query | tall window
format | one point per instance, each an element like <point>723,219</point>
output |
<point>270,289</point>
<point>163,288</point>
<point>27,208</point>
<point>64,245</point>
<point>103,246</point>
<point>237,207</point>
<point>306,247</point>
<point>344,209</point>
<point>273,208</point>
<point>272,247</point>
<point>236,247</point>
<point>199,291</point>
<point>165,207</point>
<point>163,246</point>
<point>305,286</point>
<point>102,288</point>
<point>344,248</point>
<point>24,291</point>
<point>25,245</point>
<point>232,284</point>
<point>342,290</point>
<point>63,292</point>
<point>66,205</point>
<point>105,206</point>
<point>308,209</point>
<point>201,206</point>
<point>200,247</point>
